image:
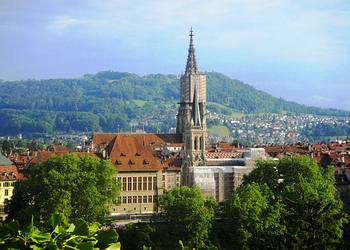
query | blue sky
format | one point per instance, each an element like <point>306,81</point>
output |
<point>298,50</point>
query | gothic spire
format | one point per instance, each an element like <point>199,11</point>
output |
<point>195,108</point>
<point>191,66</point>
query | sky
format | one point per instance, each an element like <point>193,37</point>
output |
<point>297,50</point>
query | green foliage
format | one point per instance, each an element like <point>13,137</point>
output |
<point>19,146</point>
<point>322,131</point>
<point>109,100</point>
<point>61,235</point>
<point>79,187</point>
<point>257,218</point>
<point>136,236</point>
<point>188,217</point>
<point>245,99</point>
<point>291,201</point>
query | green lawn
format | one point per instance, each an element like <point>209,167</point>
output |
<point>219,130</point>
<point>139,103</point>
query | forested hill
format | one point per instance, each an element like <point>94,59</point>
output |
<point>108,100</point>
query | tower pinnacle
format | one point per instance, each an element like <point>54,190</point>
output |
<point>195,109</point>
<point>191,66</point>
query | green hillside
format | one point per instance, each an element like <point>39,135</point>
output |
<point>108,100</point>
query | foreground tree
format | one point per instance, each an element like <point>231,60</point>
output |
<point>257,218</point>
<point>188,217</point>
<point>60,235</point>
<point>79,187</point>
<point>295,195</point>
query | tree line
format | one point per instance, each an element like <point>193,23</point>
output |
<point>291,203</point>
<point>109,100</point>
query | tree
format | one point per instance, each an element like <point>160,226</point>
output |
<point>79,187</point>
<point>256,218</point>
<point>188,217</point>
<point>345,196</point>
<point>310,212</point>
<point>60,235</point>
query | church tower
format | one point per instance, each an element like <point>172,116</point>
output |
<point>191,117</point>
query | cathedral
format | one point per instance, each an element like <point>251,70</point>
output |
<point>148,164</point>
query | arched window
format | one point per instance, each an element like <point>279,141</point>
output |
<point>196,143</point>
<point>201,142</point>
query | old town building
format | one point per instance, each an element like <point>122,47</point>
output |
<point>8,176</point>
<point>147,165</point>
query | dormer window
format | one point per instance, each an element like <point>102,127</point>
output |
<point>131,162</point>
<point>117,162</point>
<point>145,162</point>
<point>122,154</point>
<point>138,154</point>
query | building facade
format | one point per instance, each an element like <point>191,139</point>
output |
<point>8,176</point>
<point>147,165</point>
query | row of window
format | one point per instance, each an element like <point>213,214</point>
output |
<point>7,184</point>
<point>138,199</point>
<point>138,183</point>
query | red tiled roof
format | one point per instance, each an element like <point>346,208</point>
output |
<point>103,139</point>
<point>137,152</point>
<point>10,173</point>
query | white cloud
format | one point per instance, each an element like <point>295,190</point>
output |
<point>60,23</point>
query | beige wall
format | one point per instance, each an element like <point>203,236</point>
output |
<point>6,191</point>
<point>142,197</point>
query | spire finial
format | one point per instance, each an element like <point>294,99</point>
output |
<point>191,33</point>
<point>191,66</point>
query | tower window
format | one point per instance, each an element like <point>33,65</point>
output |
<point>195,143</point>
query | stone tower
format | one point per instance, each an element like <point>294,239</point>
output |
<point>191,118</point>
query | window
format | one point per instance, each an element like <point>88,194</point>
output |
<point>124,199</point>
<point>163,177</point>
<point>129,183</point>
<point>201,142</point>
<point>154,183</point>
<point>149,183</point>
<point>12,184</point>
<point>144,199</point>
<point>119,179</point>
<point>139,199</point>
<point>6,192</point>
<point>144,183</point>
<point>155,198</point>
<point>6,184</point>
<point>195,143</point>
<point>150,199</point>
<point>134,183</point>
<point>134,199</point>
<point>124,183</point>
<point>129,199</point>
<point>139,184</point>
